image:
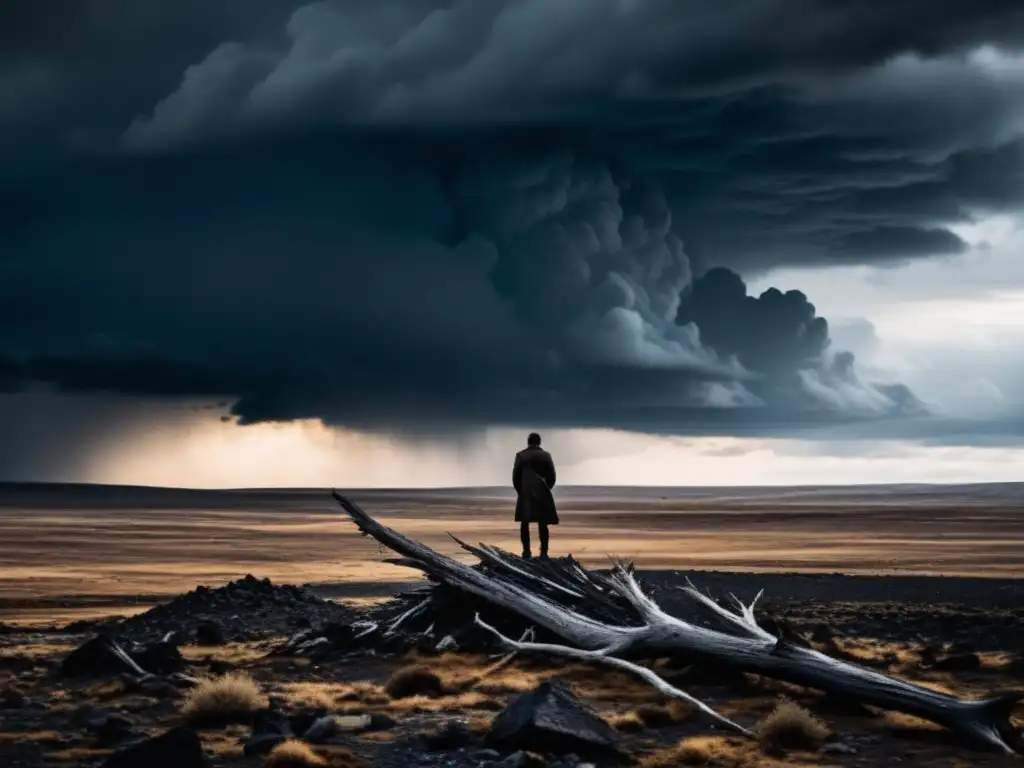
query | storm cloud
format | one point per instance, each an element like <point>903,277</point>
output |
<point>422,214</point>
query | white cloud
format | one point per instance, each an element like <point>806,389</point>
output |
<point>951,329</point>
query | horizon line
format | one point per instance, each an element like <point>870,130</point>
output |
<point>8,484</point>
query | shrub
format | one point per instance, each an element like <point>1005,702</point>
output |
<point>414,681</point>
<point>229,699</point>
<point>790,726</point>
<point>293,754</point>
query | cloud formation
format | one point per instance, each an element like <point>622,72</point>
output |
<point>436,213</point>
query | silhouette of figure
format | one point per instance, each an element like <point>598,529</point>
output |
<point>533,476</point>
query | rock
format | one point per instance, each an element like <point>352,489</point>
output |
<point>446,644</point>
<point>11,698</point>
<point>270,728</point>
<point>328,726</point>
<point>381,723</point>
<point>455,734</point>
<point>154,686</point>
<point>211,633</point>
<point>161,658</point>
<point>551,718</point>
<point>522,760</point>
<point>177,748</point>
<point>325,727</point>
<point>958,663</point>
<point>95,657</point>
<point>838,748</point>
<point>110,729</point>
<point>102,655</point>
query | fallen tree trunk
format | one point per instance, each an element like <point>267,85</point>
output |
<point>612,618</point>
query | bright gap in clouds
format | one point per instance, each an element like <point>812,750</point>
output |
<point>201,451</point>
<point>951,328</point>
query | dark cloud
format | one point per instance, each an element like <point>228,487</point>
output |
<point>773,332</point>
<point>906,242</point>
<point>567,298</point>
<point>475,211</point>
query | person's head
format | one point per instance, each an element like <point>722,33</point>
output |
<point>533,440</point>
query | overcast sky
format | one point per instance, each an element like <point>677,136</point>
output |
<point>276,242</point>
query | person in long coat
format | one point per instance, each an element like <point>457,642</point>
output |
<point>533,476</point>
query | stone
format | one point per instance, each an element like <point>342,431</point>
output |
<point>838,748</point>
<point>177,748</point>
<point>102,655</point>
<point>110,729</point>
<point>522,759</point>
<point>161,658</point>
<point>270,727</point>
<point>210,633</point>
<point>552,719</point>
<point>96,657</point>
<point>455,734</point>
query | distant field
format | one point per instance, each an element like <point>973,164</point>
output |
<point>78,549</point>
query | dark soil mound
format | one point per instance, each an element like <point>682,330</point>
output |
<point>246,609</point>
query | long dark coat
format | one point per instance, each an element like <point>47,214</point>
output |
<point>533,476</point>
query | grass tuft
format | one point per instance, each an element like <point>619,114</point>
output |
<point>790,726</point>
<point>293,754</point>
<point>414,681</point>
<point>219,701</point>
<point>698,751</point>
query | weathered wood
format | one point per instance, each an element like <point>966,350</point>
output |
<point>613,618</point>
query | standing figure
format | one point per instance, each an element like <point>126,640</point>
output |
<point>533,476</point>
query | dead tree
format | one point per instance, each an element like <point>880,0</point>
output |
<point>583,609</point>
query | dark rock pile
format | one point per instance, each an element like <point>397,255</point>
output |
<point>177,748</point>
<point>246,609</point>
<point>101,655</point>
<point>439,618</point>
<point>435,619</point>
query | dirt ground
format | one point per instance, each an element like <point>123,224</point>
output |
<point>52,729</point>
<point>888,573</point>
<point>73,552</point>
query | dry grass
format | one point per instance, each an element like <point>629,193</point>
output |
<point>293,754</point>
<point>313,695</point>
<point>229,699</point>
<point>651,716</point>
<point>415,681</point>
<point>76,755</point>
<point>664,715</point>
<point>297,754</point>
<point>232,653</point>
<point>702,750</point>
<point>901,723</point>
<point>790,726</point>
<point>363,693</point>
<point>627,722</point>
<point>36,737</point>
<point>457,703</point>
